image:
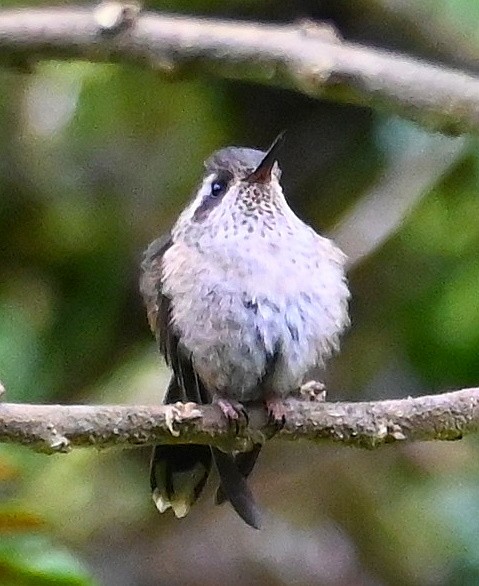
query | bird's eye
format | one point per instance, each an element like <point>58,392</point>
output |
<point>218,188</point>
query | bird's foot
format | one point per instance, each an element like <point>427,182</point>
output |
<point>276,412</point>
<point>313,390</point>
<point>233,411</point>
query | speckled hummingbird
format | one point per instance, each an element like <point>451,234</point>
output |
<point>244,299</point>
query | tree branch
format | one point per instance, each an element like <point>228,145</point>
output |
<point>59,428</point>
<point>305,57</point>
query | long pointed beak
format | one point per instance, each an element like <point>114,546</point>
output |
<point>262,173</point>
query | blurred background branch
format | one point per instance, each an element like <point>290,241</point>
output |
<point>59,428</point>
<point>306,56</point>
<point>407,177</point>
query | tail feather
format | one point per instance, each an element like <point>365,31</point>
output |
<point>245,462</point>
<point>235,488</point>
<point>178,475</point>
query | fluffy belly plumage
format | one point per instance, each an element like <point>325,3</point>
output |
<point>248,337</point>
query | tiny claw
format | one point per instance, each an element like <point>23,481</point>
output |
<point>233,411</point>
<point>313,390</point>
<point>276,412</point>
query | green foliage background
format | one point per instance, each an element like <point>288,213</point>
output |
<point>96,161</point>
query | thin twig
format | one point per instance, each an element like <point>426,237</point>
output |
<point>303,56</point>
<point>59,428</point>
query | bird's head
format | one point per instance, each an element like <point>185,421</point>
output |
<point>240,192</point>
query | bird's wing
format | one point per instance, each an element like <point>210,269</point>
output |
<point>151,281</point>
<point>158,307</point>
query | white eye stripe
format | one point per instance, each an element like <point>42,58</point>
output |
<point>205,188</point>
<point>209,196</point>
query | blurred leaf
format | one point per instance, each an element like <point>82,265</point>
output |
<point>16,520</point>
<point>439,305</point>
<point>36,561</point>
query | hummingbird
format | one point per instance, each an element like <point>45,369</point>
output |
<point>244,299</point>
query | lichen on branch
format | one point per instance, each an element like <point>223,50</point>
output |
<point>60,428</point>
